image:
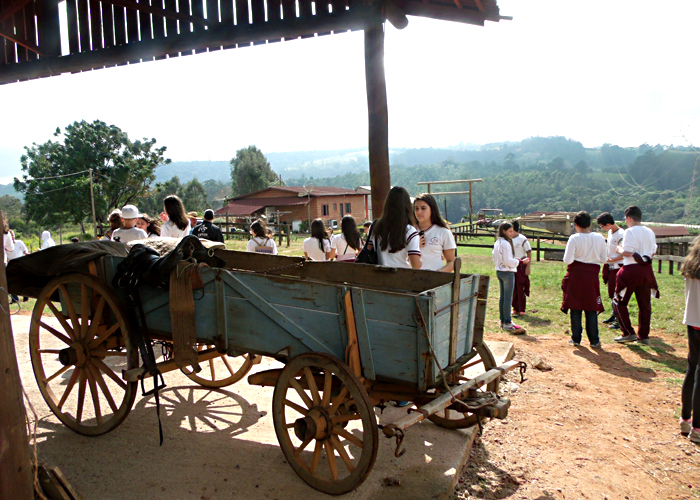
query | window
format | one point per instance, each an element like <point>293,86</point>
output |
<point>335,207</point>
<point>347,208</point>
<point>325,210</point>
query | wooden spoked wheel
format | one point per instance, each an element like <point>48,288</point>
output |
<point>454,416</point>
<point>221,371</point>
<point>325,423</point>
<point>78,347</point>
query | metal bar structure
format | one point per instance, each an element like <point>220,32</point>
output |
<point>449,193</point>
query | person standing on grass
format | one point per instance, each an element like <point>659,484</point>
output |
<point>175,221</point>
<point>261,242</point>
<point>207,230</point>
<point>394,234</point>
<point>522,251</point>
<point>636,277</point>
<point>614,263</point>
<point>690,392</point>
<point>318,246</point>
<point>46,240</point>
<point>506,265</point>
<point>436,239</point>
<point>585,252</point>
<point>348,243</point>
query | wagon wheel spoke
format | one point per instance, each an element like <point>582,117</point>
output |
<point>302,446</point>
<point>312,386</point>
<point>56,333</point>
<point>343,453</point>
<point>295,406</point>
<point>337,401</point>
<point>81,397</point>
<point>327,383</point>
<point>108,371</point>
<point>97,341</point>
<point>48,351</point>
<point>345,418</point>
<point>221,376</point>
<point>62,319</point>
<point>69,388</point>
<point>347,435</point>
<point>57,374</point>
<point>105,390</point>
<point>228,365</point>
<point>316,457</point>
<point>96,319</point>
<point>330,456</point>
<point>302,393</point>
<point>84,311</point>
<point>71,310</point>
<point>95,396</point>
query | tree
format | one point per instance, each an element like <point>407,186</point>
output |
<point>217,191</point>
<point>250,171</point>
<point>55,181</point>
<point>194,196</point>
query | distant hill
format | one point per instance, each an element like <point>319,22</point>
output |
<point>9,190</point>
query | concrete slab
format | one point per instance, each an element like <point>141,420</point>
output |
<point>502,351</point>
<point>220,444</point>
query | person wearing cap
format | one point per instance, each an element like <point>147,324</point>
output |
<point>129,232</point>
<point>207,230</point>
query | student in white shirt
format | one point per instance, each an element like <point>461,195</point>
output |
<point>261,241</point>
<point>149,225</point>
<point>176,223</point>
<point>521,251</point>
<point>635,278</point>
<point>585,252</point>
<point>436,239</point>
<point>19,250</point>
<point>506,265</point>
<point>615,237</point>
<point>690,392</point>
<point>129,232</point>
<point>348,243</point>
<point>8,240</point>
<point>394,235</point>
<point>46,240</point>
<point>318,246</point>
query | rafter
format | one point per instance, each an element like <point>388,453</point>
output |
<point>8,11</point>
<point>170,14</point>
<point>20,41</point>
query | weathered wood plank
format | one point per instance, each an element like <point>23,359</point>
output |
<point>95,25</point>
<point>84,25</point>
<point>119,25</point>
<point>108,24</point>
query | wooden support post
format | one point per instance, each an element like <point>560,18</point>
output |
<point>15,465</point>
<point>538,249</point>
<point>670,267</point>
<point>289,234</point>
<point>659,265</point>
<point>378,117</point>
<point>228,228</point>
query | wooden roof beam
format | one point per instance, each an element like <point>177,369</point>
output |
<point>170,14</point>
<point>15,6</point>
<point>443,13</point>
<point>20,41</point>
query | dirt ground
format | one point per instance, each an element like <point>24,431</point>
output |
<point>602,424</point>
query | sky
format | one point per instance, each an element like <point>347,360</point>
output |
<point>622,72</point>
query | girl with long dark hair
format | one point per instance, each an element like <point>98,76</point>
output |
<point>318,246</point>
<point>436,239</point>
<point>396,238</point>
<point>177,225</point>
<point>349,242</point>
<point>690,392</point>
<point>506,264</point>
<point>149,225</point>
<point>261,242</point>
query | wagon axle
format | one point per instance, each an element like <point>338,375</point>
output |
<point>77,354</point>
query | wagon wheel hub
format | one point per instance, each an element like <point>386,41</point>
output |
<point>77,354</point>
<point>315,425</point>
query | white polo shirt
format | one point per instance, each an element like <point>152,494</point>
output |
<point>437,239</point>
<point>588,248</point>
<point>638,239</point>
<point>313,250</point>
<point>521,246</point>
<point>400,258</point>
<point>614,240</point>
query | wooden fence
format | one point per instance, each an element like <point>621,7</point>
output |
<point>464,233</point>
<point>280,231</point>
<point>672,249</point>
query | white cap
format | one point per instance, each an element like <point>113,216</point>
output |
<point>130,212</point>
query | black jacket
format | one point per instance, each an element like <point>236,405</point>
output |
<point>208,231</point>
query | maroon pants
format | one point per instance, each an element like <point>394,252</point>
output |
<point>635,283</point>
<point>522,288</point>
<point>612,281</point>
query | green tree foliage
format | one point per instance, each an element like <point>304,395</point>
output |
<point>217,192</point>
<point>250,171</point>
<point>10,206</point>
<point>194,196</point>
<point>56,185</point>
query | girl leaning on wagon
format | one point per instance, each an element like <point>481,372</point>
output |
<point>436,239</point>
<point>396,239</point>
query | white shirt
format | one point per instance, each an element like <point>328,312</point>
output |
<point>437,239</point>
<point>261,242</point>
<point>9,245</point>
<point>614,240</point>
<point>588,248</point>
<point>344,250</point>
<point>131,234</point>
<point>400,258</point>
<point>692,302</point>
<point>169,229</point>
<point>521,246</point>
<point>47,241</point>
<point>641,240</point>
<point>313,250</point>
<point>503,258</point>
<point>19,250</point>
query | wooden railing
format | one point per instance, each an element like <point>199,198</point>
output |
<point>672,249</point>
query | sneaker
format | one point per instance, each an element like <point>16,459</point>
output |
<point>614,326</point>
<point>597,346</point>
<point>626,338</point>
<point>643,341</point>
<point>695,435</point>
<point>401,404</point>
<point>611,319</point>
<point>575,344</point>
<point>686,426</point>
<point>513,328</point>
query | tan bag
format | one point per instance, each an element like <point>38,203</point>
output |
<point>264,248</point>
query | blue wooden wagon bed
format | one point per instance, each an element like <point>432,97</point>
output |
<point>351,337</point>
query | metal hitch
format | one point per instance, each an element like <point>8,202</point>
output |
<point>498,410</point>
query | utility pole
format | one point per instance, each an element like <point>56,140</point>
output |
<point>92,202</point>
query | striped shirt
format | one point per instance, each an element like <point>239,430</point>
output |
<point>400,258</point>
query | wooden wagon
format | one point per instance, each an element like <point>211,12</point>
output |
<point>351,337</point>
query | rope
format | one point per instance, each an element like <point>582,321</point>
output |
<point>31,429</point>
